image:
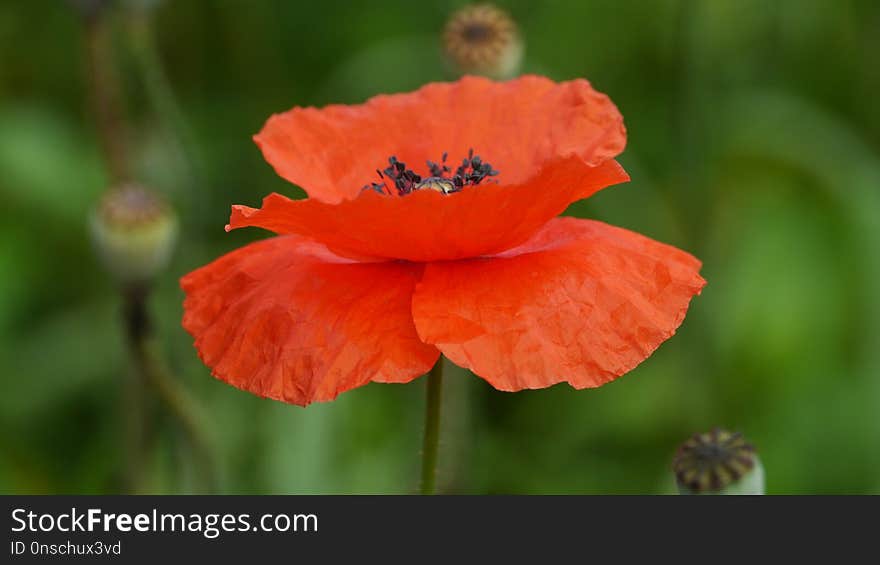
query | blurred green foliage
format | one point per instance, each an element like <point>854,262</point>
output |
<point>753,143</point>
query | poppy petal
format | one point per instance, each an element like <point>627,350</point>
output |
<point>284,318</point>
<point>581,302</point>
<point>516,125</point>
<point>430,226</point>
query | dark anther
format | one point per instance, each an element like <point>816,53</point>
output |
<point>473,171</point>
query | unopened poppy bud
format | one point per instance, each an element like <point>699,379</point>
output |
<point>718,462</point>
<point>483,39</point>
<point>134,231</point>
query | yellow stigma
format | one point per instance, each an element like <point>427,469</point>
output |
<point>483,39</point>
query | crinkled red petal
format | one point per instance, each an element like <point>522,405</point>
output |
<point>286,319</point>
<point>581,302</point>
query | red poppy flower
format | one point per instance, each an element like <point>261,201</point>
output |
<point>378,272</point>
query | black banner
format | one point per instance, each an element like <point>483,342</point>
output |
<point>134,529</point>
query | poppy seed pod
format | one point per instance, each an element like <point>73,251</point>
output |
<point>484,40</point>
<point>134,231</point>
<point>718,462</point>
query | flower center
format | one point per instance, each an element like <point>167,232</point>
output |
<point>472,171</point>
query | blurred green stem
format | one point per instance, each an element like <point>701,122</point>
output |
<point>688,119</point>
<point>161,95</point>
<point>105,100</point>
<point>106,110</point>
<point>135,417</point>
<point>136,327</point>
<point>153,371</point>
<point>432,428</point>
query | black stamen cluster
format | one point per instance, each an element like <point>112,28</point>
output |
<point>405,180</point>
<point>472,171</point>
<point>439,170</point>
<point>377,186</point>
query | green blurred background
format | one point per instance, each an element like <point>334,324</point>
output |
<point>753,143</point>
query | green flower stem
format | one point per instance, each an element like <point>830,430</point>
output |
<point>105,100</point>
<point>432,428</point>
<point>163,99</point>
<point>153,371</point>
<point>107,114</point>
